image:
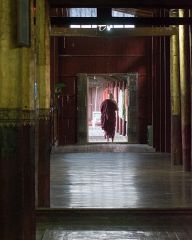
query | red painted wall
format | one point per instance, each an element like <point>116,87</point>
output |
<point>109,55</point>
<point>103,55</point>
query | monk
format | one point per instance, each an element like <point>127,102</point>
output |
<point>108,116</point>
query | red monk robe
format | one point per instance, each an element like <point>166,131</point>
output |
<point>108,117</point>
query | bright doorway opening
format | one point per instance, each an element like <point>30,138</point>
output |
<point>121,86</point>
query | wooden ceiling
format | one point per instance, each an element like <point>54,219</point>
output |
<point>140,12</point>
<point>122,3</point>
<point>144,16</point>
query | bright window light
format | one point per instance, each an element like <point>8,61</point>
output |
<point>75,26</point>
<point>129,26</point>
<point>118,26</point>
<point>85,26</point>
<point>122,14</point>
<point>82,12</point>
<point>92,12</point>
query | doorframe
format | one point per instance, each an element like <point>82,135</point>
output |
<point>82,109</point>
<point>82,112</point>
<point>133,133</point>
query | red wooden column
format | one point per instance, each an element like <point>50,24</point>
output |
<point>117,89</point>
<point>162,94</point>
<point>165,90</point>
<point>120,119</point>
<point>149,85</point>
<point>116,99</point>
<point>190,60</point>
<point>166,79</point>
<point>156,107</point>
<point>167,95</point>
<point>123,121</point>
<point>54,80</point>
<point>125,102</point>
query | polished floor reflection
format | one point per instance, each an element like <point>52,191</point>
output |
<point>164,225</point>
<point>114,235</point>
<point>118,180</point>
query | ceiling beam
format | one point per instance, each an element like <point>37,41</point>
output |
<point>141,21</point>
<point>122,3</point>
<point>126,32</point>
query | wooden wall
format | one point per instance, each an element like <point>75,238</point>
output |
<point>122,55</point>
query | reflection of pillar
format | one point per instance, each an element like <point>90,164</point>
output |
<point>43,102</point>
<point>17,191</point>
<point>184,52</point>
<point>176,151</point>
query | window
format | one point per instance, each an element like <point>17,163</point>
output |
<point>92,12</point>
<point>122,14</point>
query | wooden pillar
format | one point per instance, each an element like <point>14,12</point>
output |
<point>185,93</point>
<point>156,107</point>
<point>176,150</point>
<point>17,155</point>
<point>120,119</point>
<point>167,96</point>
<point>162,89</point>
<point>165,90</point>
<point>163,95</point>
<point>53,80</point>
<point>43,102</point>
<point>117,94</point>
<point>123,120</point>
<point>190,60</point>
<point>166,93</point>
<point>149,87</point>
<point>125,102</point>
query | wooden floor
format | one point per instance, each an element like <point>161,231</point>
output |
<point>117,225</point>
<point>116,196</point>
<point>115,235</point>
<point>104,147</point>
<point>118,180</point>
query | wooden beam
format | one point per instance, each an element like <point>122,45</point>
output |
<point>141,21</point>
<point>104,12</point>
<point>93,32</point>
<point>122,3</point>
